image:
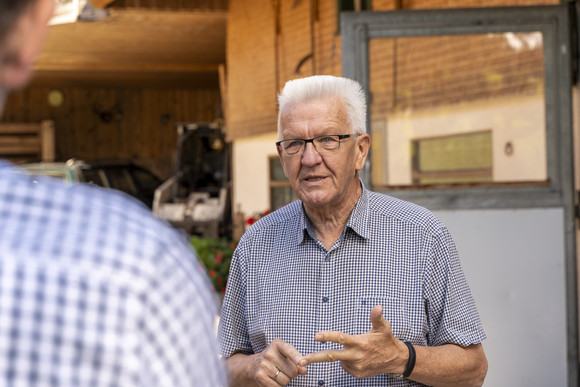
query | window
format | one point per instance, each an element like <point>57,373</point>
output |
<point>281,192</point>
<point>452,159</point>
<point>430,93</point>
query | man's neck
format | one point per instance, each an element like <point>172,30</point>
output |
<point>329,221</point>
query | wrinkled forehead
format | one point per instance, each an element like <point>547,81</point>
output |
<point>313,117</point>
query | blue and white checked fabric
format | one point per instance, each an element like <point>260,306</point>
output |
<point>95,291</point>
<point>284,284</point>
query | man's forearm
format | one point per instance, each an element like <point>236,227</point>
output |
<point>239,369</point>
<point>450,365</point>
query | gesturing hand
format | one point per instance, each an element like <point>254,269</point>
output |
<point>277,365</point>
<point>373,353</point>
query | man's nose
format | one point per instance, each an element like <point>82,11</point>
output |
<point>310,154</point>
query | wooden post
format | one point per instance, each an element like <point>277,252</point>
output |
<point>47,140</point>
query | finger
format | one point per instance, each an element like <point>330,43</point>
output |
<point>333,336</point>
<point>282,379</point>
<point>290,352</point>
<point>377,320</point>
<point>288,359</point>
<point>265,377</point>
<point>327,356</point>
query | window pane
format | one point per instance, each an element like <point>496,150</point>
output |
<point>276,170</point>
<point>280,196</point>
<point>281,193</point>
<point>451,159</point>
<point>457,109</point>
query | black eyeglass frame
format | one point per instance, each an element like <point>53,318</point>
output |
<point>311,140</point>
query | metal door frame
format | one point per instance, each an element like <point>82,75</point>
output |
<point>358,28</point>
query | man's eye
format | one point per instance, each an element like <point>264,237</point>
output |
<point>326,140</point>
<point>294,144</point>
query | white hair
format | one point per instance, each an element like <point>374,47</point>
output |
<point>324,86</point>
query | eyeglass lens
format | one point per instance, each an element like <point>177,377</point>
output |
<point>322,144</point>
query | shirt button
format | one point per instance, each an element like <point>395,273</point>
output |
<point>327,259</point>
<point>321,382</point>
<point>324,299</point>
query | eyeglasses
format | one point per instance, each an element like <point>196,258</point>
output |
<point>323,144</point>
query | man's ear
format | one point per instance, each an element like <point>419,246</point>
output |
<point>363,144</point>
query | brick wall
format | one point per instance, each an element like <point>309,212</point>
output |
<point>251,68</point>
<point>270,42</point>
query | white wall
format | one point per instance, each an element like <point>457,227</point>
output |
<point>514,264</point>
<point>520,121</point>
<point>250,173</point>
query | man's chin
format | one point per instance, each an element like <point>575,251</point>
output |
<point>314,199</point>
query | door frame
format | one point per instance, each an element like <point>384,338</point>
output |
<point>555,23</point>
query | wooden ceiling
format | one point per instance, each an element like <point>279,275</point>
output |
<point>136,48</point>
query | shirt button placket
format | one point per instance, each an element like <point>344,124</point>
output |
<point>325,309</point>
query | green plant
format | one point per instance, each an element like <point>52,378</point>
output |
<point>216,256</point>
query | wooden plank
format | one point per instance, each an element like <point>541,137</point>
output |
<point>19,128</point>
<point>15,141</point>
<point>22,149</point>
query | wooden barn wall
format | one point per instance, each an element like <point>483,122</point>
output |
<point>97,123</point>
<point>271,42</point>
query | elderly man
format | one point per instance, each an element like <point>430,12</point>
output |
<point>345,287</point>
<point>94,290</point>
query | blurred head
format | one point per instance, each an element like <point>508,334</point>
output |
<point>23,27</point>
<point>324,86</point>
<point>323,143</point>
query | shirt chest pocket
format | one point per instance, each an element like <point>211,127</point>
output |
<point>393,311</point>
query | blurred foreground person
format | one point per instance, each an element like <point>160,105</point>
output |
<point>94,290</point>
<point>345,287</point>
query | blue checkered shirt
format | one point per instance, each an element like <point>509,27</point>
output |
<point>284,284</point>
<point>95,291</point>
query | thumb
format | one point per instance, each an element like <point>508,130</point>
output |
<point>379,323</point>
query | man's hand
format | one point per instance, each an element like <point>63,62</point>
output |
<point>277,365</point>
<point>373,353</point>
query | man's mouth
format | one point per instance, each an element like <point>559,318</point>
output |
<point>314,178</point>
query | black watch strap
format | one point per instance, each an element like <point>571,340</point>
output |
<point>410,364</point>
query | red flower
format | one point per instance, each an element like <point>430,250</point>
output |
<point>218,257</point>
<point>250,221</point>
<point>211,273</point>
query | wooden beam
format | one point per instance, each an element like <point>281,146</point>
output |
<point>167,67</point>
<point>223,91</point>
<point>100,3</point>
<point>136,43</point>
<point>47,142</point>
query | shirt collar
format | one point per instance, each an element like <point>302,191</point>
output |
<point>359,218</point>
<point>358,221</point>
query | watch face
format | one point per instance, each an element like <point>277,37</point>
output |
<point>55,98</point>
